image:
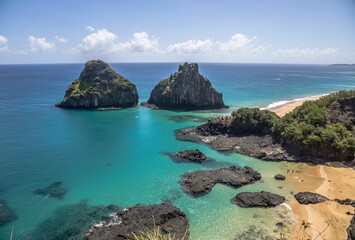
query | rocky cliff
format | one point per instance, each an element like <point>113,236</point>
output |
<point>186,89</point>
<point>99,86</point>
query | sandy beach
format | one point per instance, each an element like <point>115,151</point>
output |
<point>282,109</point>
<point>325,180</point>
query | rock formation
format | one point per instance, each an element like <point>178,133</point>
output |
<point>351,229</point>
<point>192,155</point>
<point>186,89</point>
<point>99,86</point>
<point>201,182</point>
<point>134,220</point>
<point>309,198</point>
<point>280,177</point>
<point>257,199</point>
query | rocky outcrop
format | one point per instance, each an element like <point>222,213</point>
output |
<point>309,198</point>
<point>186,89</point>
<point>99,86</point>
<point>6,214</point>
<point>351,229</point>
<point>346,201</point>
<point>279,177</point>
<point>192,155</point>
<point>54,190</point>
<point>201,182</point>
<point>257,199</point>
<point>134,220</point>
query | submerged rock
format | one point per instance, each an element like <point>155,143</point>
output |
<point>309,198</point>
<point>99,86</point>
<point>186,89</point>
<point>201,182</point>
<point>6,214</point>
<point>192,155</point>
<point>70,222</point>
<point>55,190</point>
<point>280,177</point>
<point>257,199</point>
<point>134,220</point>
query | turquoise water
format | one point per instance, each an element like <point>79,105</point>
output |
<point>115,156</point>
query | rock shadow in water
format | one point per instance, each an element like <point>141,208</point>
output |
<point>54,190</point>
<point>70,222</point>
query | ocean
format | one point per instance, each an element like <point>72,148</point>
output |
<point>119,156</point>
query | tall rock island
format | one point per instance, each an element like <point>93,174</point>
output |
<point>186,89</point>
<point>99,86</point>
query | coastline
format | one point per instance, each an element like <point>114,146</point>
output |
<point>283,107</point>
<point>331,182</point>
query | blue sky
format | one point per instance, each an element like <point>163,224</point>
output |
<point>262,31</point>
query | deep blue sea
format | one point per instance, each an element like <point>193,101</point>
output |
<point>116,157</point>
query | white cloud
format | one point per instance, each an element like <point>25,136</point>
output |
<point>103,41</point>
<point>89,28</point>
<point>40,44</point>
<point>191,47</point>
<point>237,42</point>
<point>307,52</point>
<point>98,42</point>
<point>141,42</point>
<point>61,39</point>
<point>3,44</point>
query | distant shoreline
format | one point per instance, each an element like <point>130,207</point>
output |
<point>283,107</point>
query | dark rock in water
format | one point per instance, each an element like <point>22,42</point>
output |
<point>346,201</point>
<point>309,198</point>
<point>280,177</point>
<point>351,229</point>
<point>192,155</point>
<point>134,220</point>
<point>99,86</point>
<point>187,118</point>
<point>6,214</point>
<point>70,222</point>
<point>257,199</point>
<point>55,190</point>
<point>186,89</point>
<point>201,182</point>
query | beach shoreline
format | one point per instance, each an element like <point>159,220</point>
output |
<point>281,108</point>
<point>331,182</point>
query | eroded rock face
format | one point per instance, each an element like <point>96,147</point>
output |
<point>6,214</point>
<point>99,86</point>
<point>186,89</point>
<point>201,182</point>
<point>309,198</point>
<point>134,220</point>
<point>257,199</point>
<point>192,155</point>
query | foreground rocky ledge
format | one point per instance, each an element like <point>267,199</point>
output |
<point>257,199</point>
<point>137,219</point>
<point>99,86</point>
<point>201,182</point>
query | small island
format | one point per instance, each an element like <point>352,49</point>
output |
<point>99,86</point>
<point>186,89</point>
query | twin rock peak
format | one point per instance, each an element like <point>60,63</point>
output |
<point>99,86</point>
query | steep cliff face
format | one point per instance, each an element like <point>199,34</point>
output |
<point>186,89</point>
<point>99,86</point>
